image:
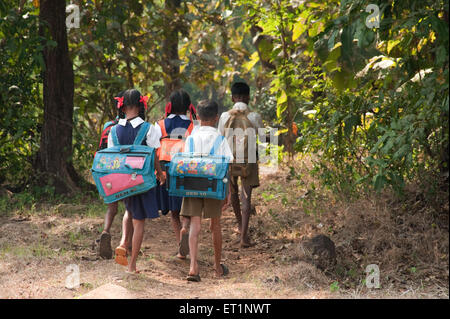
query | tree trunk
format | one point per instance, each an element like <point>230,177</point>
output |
<point>170,59</point>
<point>54,159</point>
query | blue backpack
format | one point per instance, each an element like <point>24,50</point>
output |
<point>124,170</point>
<point>193,175</point>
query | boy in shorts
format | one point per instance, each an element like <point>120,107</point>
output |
<point>240,95</point>
<point>194,209</point>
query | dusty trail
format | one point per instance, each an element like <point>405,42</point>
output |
<point>36,249</point>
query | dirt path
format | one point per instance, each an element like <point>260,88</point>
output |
<point>35,251</point>
<point>39,271</point>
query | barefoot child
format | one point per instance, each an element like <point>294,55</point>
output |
<point>144,205</point>
<point>194,209</point>
<point>235,119</point>
<point>176,125</point>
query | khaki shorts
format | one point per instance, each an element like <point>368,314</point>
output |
<point>252,180</point>
<point>210,207</point>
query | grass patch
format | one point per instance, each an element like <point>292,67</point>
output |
<point>38,250</point>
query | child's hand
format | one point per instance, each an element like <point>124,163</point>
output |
<point>161,177</point>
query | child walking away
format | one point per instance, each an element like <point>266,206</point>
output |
<point>144,205</point>
<point>204,140</point>
<point>104,242</point>
<point>174,129</point>
<point>239,126</point>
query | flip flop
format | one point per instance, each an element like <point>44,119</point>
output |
<point>246,245</point>
<point>225,270</point>
<point>179,256</point>
<point>121,256</point>
<point>105,250</point>
<point>195,278</point>
<point>183,249</point>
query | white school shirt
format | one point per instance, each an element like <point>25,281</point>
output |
<point>203,138</point>
<point>254,118</point>
<point>153,135</point>
<point>175,131</point>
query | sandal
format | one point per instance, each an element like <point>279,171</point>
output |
<point>225,270</point>
<point>121,256</point>
<point>183,248</point>
<point>104,247</point>
<point>195,278</point>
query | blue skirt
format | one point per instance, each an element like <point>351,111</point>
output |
<point>144,205</point>
<point>167,203</point>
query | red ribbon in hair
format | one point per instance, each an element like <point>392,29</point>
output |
<point>144,100</point>
<point>192,111</point>
<point>119,101</point>
<point>168,109</point>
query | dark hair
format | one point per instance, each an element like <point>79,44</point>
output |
<point>132,97</point>
<point>120,111</point>
<point>240,89</point>
<point>207,110</point>
<point>180,101</point>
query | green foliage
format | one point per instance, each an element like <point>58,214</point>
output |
<point>334,287</point>
<point>372,102</point>
<point>20,62</point>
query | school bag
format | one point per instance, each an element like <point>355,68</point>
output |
<point>238,120</point>
<point>170,145</point>
<point>122,171</point>
<point>194,175</point>
<point>105,132</point>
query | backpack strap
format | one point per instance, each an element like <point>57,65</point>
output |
<point>142,134</point>
<point>189,129</point>
<point>104,136</point>
<point>162,125</point>
<point>216,144</point>
<point>191,145</point>
<point>114,136</point>
<point>108,124</point>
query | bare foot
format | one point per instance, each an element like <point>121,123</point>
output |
<point>246,243</point>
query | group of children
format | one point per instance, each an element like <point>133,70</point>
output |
<point>186,213</point>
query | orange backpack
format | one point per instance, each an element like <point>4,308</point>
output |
<point>171,146</point>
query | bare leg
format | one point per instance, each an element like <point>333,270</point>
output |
<point>246,196</point>
<point>194,232</point>
<point>111,212</point>
<point>127,231</point>
<point>234,190</point>
<point>176,224</point>
<point>183,230</point>
<point>216,231</point>
<point>104,248</point>
<point>184,224</point>
<point>138,236</point>
<point>227,201</point>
